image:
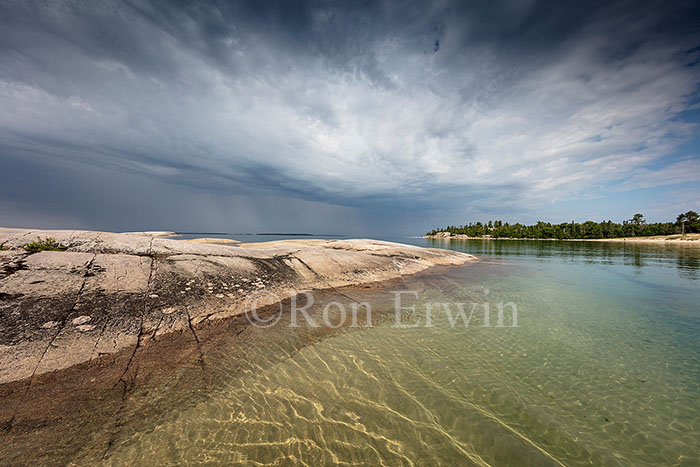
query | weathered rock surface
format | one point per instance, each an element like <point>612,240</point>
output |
<point>108,292</point>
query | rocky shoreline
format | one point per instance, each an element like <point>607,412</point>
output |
<point>107,292</point>
<point>91,332</point>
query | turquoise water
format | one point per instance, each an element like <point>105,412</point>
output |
<point>602,369</point>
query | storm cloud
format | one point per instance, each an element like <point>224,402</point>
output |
<point>350,118</point>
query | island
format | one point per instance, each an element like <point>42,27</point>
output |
<point>685,230</point>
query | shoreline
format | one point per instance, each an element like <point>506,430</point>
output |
<point>95,405</point>
<point>105,292</point>
<point>114,330</point>
<point>687,239</point>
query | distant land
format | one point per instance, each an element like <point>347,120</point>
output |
<point>288,234</point>
<point>203,233</point>
<point>301,234</point>
<point>685,223</point>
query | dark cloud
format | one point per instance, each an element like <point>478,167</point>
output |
<point>358,110</point>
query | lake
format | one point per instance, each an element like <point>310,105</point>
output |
<point>603,368</point>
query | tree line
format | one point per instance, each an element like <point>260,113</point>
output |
<point>637,226</point>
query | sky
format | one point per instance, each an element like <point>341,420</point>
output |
<point>358,118</point>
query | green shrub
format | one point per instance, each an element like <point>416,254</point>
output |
<point>47,244</point>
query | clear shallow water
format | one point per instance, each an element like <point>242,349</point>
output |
<point>604,369</point>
